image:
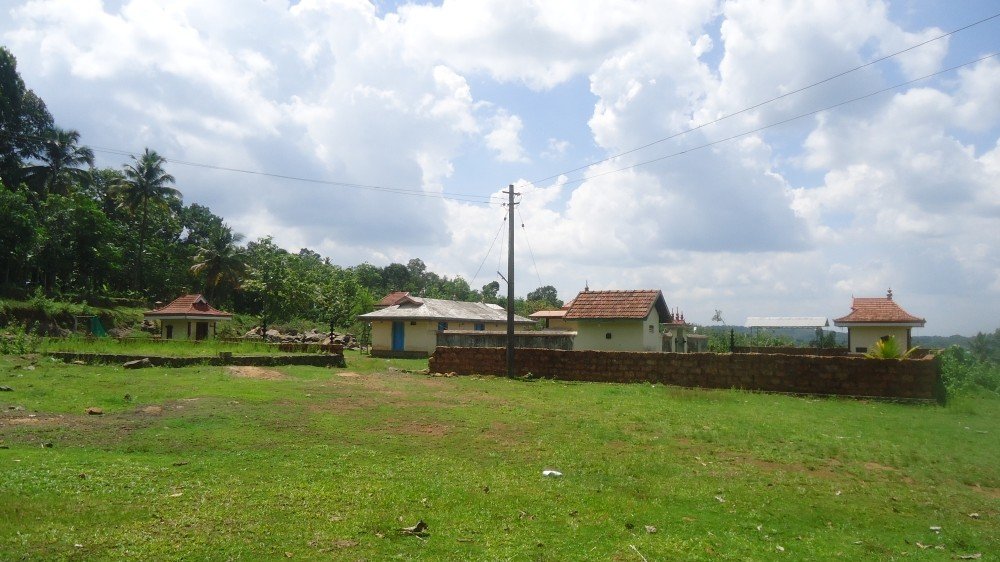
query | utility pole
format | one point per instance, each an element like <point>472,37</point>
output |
<point>510,281</point>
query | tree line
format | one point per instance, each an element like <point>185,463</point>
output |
<point>69,228</point>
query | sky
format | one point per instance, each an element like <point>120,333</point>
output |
<point>634,132</point>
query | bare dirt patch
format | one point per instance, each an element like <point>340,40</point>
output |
<point>348,375</point>
<point>31,420</point>
<point>153,410</point>
<point>993,493</point>
<point>877,466</point>
<point>257,373</point>
<point>418,429</point>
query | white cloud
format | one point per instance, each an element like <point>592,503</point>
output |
<point>898,190</point>
<point>505,138</point>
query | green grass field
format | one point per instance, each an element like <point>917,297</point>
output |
<point>313,463</point>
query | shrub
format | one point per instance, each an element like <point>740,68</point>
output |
<point>15,340</point>
<point>962,371</point>
<point>889,348</point>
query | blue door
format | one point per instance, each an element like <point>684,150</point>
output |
<point>397,336</point>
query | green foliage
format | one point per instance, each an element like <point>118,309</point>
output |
<point>219,264</point>
<point>963,371</point>
<point>547,295</point>
<point>146,183</point>
<point>824,339</point>
<point>986,347</point>
<point>24,120</point>
<point>889,348</point>
<point>62,164</point>
<point>719,339</point>
<point>15,340</point>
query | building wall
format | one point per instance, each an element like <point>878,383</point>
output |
<point>848,375</point>
<point>866,336</point>
<point>181,329</point>
<point>561,324</point>
<point>420,335</point>
<point>626,335</point>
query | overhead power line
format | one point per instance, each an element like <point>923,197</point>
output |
<point>530,252</point>
<point>771,100</point>
<point>782,122</point>
<point>463,197</point>
<point>488,252</point>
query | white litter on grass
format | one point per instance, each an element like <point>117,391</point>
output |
<point>551,473</point>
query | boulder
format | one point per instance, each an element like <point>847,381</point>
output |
<point>272,333</point>
<point>120,332</point>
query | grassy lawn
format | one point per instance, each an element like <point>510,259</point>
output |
<point>313,463</point>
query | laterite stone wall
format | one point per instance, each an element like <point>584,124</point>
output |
<point>804,374</point>
<point>315,360</point>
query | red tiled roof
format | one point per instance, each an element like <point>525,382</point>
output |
<point>393,298</point>
<point>188,305</point>
<point>617,304</point>
<point>877,310</point>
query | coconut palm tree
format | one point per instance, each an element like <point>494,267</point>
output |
<point>146,183</point>
<point>62,160</point>
<point>220,261</point>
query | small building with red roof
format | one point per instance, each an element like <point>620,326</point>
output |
<point>876,318</point>
<point>188,317</point>
<point>394,298</point>
<point>618,320</point>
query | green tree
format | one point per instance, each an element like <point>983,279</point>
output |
<point>146,183</point>
<point>18,233</point>
<point>62,164</point>
<point>546,294</point>
<point>24,120</point>
<point>396,277</point>
<point>220,264</point>
<point>490,291</point>
<point>986,347</point>
<point>199,224</point>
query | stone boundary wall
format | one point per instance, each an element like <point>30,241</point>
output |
<point>799,374</point>
<point>314,360</point>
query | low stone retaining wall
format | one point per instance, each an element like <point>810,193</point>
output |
<point>800,374</point>
<point>314,360</point>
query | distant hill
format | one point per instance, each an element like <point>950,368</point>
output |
<point>802,336</point>
<point>941,342</point>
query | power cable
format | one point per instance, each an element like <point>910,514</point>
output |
<point>765,102</point>
<point>528,243</point>
<point>782,122</point>
<point>488,252</point>
<point>463,197</point>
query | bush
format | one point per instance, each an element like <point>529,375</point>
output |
<point>889,348</point>
<point>962,371</point>
<point>16,340</point>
